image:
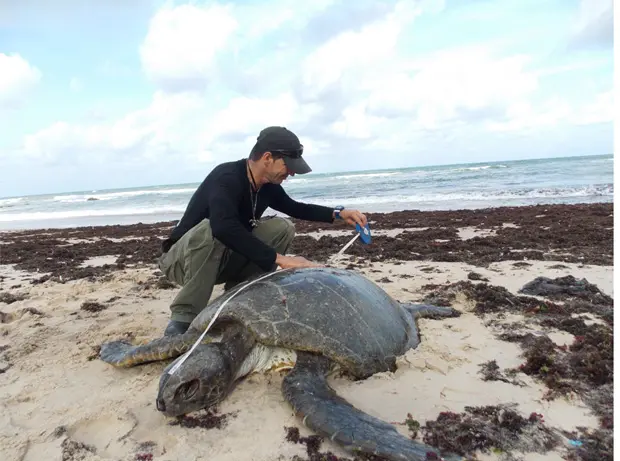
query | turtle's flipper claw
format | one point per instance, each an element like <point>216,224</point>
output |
<point>116,353</point>
<point>123,354</point>
<point>331,416</point>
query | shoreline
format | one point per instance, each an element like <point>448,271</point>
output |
<point>562,233</point>
<point>111,219</point>
<point>519,351</point>
<point>172,218</point>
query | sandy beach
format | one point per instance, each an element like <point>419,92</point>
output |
<point>541,360</point>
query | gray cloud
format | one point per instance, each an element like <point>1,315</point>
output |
<point>343,15</point>
<point>279,65</point>
<point>37,15</point>
<point>596,29</point>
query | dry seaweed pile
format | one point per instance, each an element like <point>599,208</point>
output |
<point>579,296</point>
<point>486,298</point>
<point>545,232</point>
<point>60,253</point>
<point>205,419</point>
<point>563,287</point>
<point>313,445</point>
<point>599,215</point>
<point>145,451</point>
<point>498,429</point>
<point>93,306</point>
<point>158,282</point>
<point>75,451</point>
<point>490,371</point>
<point>597,445</point>
<point>580,367</point>
<point>10,298</point>
<point>584,368</point>
<point>4,362</point>
<point>576,241</point>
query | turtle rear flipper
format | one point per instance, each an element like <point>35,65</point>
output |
<point>331,416</point>
<point>123,354</point>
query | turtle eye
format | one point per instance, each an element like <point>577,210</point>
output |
<point>187,390</point>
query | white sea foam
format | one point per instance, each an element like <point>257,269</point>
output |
<point>479,168</point>
<point>10,202</point>
<point>56,215</point>
<point>74,198</point>
<point>366,175</point>
<point>589,191</point>
<point>391,176</point>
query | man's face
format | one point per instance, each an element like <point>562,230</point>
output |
<point>277,171</point>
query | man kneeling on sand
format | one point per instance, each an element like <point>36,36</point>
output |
<point>221,237</point>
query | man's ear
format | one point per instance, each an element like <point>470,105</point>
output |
<point>267,157</point>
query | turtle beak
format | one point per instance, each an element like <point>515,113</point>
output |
<point>161,406</point>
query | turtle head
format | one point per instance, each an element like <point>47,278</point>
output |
<point>203,380</point>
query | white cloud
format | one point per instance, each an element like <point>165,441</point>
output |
<point>353,51</point>
<point>464,82</point>
<point>601,110</point>
<point>167,125</point>
<point>17,78</point>
<point>360,90</point>
<point>181,46</point>
<point>245,116</point>
<point>174,124</point>
<point>357,123</point>
<point>523,116</point>
<point>439,91</point>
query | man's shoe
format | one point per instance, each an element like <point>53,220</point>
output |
<point>176,328</point>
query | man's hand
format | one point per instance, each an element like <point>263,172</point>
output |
<point>294,262</point>
<point>353,217</point>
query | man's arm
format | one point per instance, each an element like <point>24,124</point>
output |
<point>227,228</point>
<point>307,211</point>
<point>284,203</point>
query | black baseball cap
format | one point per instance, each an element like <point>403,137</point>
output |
<point>280,140</point>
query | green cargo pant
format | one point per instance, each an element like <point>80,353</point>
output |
<point>198,262</point>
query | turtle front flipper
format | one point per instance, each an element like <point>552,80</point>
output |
<point>331,416</point>
<point>430,311</point>
<point>123,354</point>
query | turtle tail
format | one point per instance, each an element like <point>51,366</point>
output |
<point>430,311</point>
<point>123,354</point>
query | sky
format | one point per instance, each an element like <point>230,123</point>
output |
<point>120,93</point>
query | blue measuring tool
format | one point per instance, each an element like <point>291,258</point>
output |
<point>363,233</point>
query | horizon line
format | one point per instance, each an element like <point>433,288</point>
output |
<point>313,174</point>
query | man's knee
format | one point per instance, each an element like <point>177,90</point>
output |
<point>277,232</point>
<point>284,227</point>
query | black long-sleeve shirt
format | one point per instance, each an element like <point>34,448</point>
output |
<point>223,197</point>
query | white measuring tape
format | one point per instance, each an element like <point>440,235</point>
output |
<point>184,358</point>
<point>344,248</point>
<point>186,355</point>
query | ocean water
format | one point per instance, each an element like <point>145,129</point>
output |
<point>464,186</point>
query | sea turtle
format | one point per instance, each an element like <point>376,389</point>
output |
<point>310,320</point>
